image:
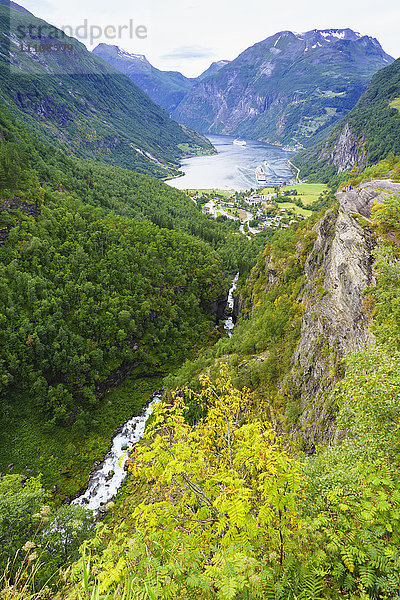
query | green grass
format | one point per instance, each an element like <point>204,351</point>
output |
<point>63,460</point>
<point>395,104</point>
<point>296,209</point>
<point>307,192</point>
<point>224,193</point>
<point>231,211</point>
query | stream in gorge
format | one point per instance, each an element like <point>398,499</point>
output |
<point>106,480</point>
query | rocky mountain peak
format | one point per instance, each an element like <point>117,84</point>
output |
<point>287,89</point>
<point>117,56</point>
<point>212,69</point>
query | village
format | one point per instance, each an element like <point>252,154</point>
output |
<point>274,208</point>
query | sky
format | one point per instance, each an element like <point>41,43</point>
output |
<point>187,35</point>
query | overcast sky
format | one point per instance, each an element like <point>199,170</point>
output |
<point>187,35</point>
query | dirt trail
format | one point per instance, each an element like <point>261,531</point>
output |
<point>361,199</point>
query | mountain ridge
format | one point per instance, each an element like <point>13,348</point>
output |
<point>280,90</point>
<point>367,134</point>
<point>78,102</point>
<point>165,88</point>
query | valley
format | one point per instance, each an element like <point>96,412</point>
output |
<point>199,311</point>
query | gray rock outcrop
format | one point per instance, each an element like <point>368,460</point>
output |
<point>347,152</point>
<point>338,270</point>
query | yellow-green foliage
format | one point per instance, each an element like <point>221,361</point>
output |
<point>227,494</point>
<point>389,168</point>
<point>395,104</point>
<point>386,214</point>
<point>232,515</point>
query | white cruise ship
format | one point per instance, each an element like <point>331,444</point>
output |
<point>260,176</point>
<point>239,142</point>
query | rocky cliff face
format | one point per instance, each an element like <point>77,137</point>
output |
<point>217,307</point>
<point>347,152</point>
<point>339,270</point>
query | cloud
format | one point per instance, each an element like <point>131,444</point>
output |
<point>189,52</point>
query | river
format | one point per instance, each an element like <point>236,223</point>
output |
<point>233,168</point>
<point>106,480</point>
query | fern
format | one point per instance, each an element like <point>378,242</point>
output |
<point>228,589</point>
<point>367,576</point>
<point>313,586</point>
<point>269,591</point>
<point>348,560</point>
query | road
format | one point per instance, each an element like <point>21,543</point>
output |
<point>293,167</point>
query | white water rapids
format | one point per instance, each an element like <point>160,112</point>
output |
<point>106,480</point>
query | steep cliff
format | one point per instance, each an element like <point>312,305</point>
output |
<point>339,270</point>
<point>347,152</point>
<point>367,135</point>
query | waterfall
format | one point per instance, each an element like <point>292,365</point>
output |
<point>229,324</point>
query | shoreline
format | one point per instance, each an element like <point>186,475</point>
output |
<point>232,169</point>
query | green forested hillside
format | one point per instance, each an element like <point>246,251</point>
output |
<point>83,293</point>
<point>26,161</point>
<point>104,273</point>
<point>83,105</point>
<point>369,133</point>
<point>222,506</point>
<point>100,278</point>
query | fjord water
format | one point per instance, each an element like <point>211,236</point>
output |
<point>233,168</point>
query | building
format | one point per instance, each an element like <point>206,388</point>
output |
<point>256,198</point>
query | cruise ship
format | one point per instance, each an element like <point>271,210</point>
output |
<point>239,142</point>
<point>260,176</point>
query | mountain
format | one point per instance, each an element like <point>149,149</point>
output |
<point>78,102</point>
<point>212,69</point>
<point>287,89</point>
<point>368,134</point>
<point>165,88</point>
<point>9,4</point>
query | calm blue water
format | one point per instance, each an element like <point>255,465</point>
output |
<point>233,168</point>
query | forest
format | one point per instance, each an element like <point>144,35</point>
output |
<point>222,501</point>
<point>109,283</point>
